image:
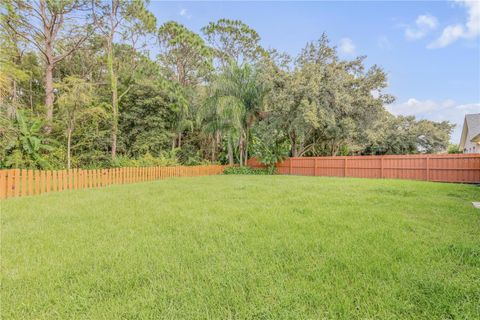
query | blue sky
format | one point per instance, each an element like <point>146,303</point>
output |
<point>430,49</point>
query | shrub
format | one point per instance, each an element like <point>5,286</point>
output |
<point>249,170</point>
<point>269,145</point>
<point>165,160</point>
<point>453,148</point>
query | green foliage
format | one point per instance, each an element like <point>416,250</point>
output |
<point>237,102</point>
<point>185,56</point>
<point>8,135</point>
<point>30,147</point>
<point>325,102</point>
<point>405,135</point>
<point>189,155</point>
<point>147,160</point>
<point>249,171</point>
<point>453,148</point>
<point>269,145</point>
<point>148,120</point>
<point>234,41</point>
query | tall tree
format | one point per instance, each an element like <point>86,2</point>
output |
<point>325,103</point>
<point>129,21</point>
<point>185,56</point>
<point>76,97</point>
<point>10,73</point>
<point>55,28</point>
<point>233,40</point>
<point>186,60</point>
<point>239,94</point>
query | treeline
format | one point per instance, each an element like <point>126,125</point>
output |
<point>80,86</point>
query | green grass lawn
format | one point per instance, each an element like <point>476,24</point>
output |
<point>244,247</point>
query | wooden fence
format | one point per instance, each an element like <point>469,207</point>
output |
<point>17,182</point>
<point>432,167</point>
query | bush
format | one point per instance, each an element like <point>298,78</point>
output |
<point>269,145</point>
<point>249,171</point>
<point>453,148</point>
<point>165,160</point>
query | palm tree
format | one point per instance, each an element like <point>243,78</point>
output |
<point>236,104</point>
<point>221,116</point>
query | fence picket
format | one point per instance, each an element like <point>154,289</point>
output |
<point>43,178</point>
<point>24,183</point>
<point>10,183</point>
<point>36,175</point>
<point>30,182</point>
<point>48,181</point>
<point>3,184</point>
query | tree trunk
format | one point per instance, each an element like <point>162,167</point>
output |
<point>230,151</point>
<point>114,91</point>
<point>12,107</point>
<point>246,145</point>
<point>179,139</point>
<point>213,149</point>
<point>31,94</point>
<point>216,142</point>
<point>49,95</point>
<point>240,144</point>
<point>49,65</point>
<point>69,139</point>
<point>293,149</point>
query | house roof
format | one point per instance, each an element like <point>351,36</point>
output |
<point>476,138</point>
<point>471,128</point>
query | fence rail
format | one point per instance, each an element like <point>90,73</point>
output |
<point>432,167</point>
<point>21,182</point>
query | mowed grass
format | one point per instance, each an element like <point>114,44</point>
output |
<point>244,247</point>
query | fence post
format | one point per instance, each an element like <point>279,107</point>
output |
<point>345,167</point>
<point>290,166</point>
<point>315,168</point>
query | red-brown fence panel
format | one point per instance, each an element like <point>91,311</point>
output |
<point>463,168</point>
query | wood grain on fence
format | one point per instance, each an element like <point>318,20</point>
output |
<point>16,182</point>
<point>464,168</point>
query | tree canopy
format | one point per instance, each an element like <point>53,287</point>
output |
<point>102,83</point>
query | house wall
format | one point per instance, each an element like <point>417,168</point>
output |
<point>471,147</point>
<point>471,128</point>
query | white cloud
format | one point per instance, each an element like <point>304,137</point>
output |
<point>449,35</point>
<point>347,46</point>
<point>415,107</point>
<point>423,25</point>
<point>470,30</point>
<point>427,21</point>
<point>447,110</point>
<point>184,13</point>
